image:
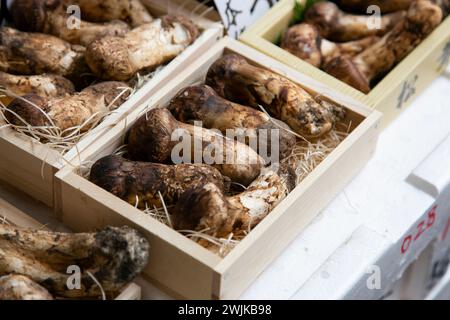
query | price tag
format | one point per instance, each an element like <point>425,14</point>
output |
<point>238,15</point>
<point>422,227</point>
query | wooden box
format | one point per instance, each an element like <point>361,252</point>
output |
<point>182,267</point>
<point>392,95</point>
<point>30,166</point>
<point>14,216</point>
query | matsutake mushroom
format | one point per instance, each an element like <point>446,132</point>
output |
<point>202,103</point>
<point>83,108</point>
<point>142,183</point>
<point>337,25</point>
<point>36,53</point>
<point>131,11</point>
<point>51,17</point>
<point>18,287</point>
<point>142,49</point>
<point>112,256</point>
<point>422,18</point>
<point>384,5</point>
<point>304,41</point>
<point>158,137</point>
<point>207,208</point>
<point>45,85</point>
<point>233,78</point>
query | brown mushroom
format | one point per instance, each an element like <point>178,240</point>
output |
<point>51,17</point>
<point>422,18</point>
<point>131,11</point>
<point>202,103</point>
<point>18,287</point>
<point>45,85</point>
<point>36,53</point>
<point>142,49</point>
<point>84,108</point>
<point>337,25</point>
<point>233,78</point>
<point>304,41</point>
<point>113,256</point>
<point>141,183</point>
<point>207,208</point>
<point>384,5</point>
<point>155,137</point>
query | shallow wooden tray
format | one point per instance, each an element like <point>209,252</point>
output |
<point>182,267</point>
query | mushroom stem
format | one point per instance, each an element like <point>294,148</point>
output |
<point>337,25</point>
<point>207,208</point>
<point>422,18</point>
<point>141,49</point>
<point>45,85</point>
<point>17,287</point>
<point>52,18</point>
<point>202,103</point>
<point>142,183</point>
<point>304,41</point>
<point>36,53</point>
<point>233,78</point>
<point>155,137</point>
<point>114,256</point>
<point>131,11</point>
<point>83,108</point>
<point>385,5</point>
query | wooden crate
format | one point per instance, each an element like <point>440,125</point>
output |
<point>182,267</point>
<point>392,95</point>
<point>18,218</point>
<point>30,166</point>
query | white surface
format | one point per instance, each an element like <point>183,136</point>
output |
<point>389,206</point>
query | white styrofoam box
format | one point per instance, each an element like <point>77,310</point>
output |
<point>442,289</point>
<point>333,279</point>
<point>394,213</point>
<point>432,176</point>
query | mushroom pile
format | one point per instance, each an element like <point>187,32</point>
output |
<point>63,74</point>
<point>218,199</point>
<point>358,49</point>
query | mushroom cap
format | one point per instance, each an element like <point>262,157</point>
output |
<point>304,41</point>
<point>203,207</point>
<point>31,15</point>
<point>344,69</point>
<point>324,15</point>
<point>30,108</point>
<point>423,16</point>
<point>150,138</point>
<point>109,58</point>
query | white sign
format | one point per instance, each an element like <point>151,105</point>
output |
<point>238,15</point>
